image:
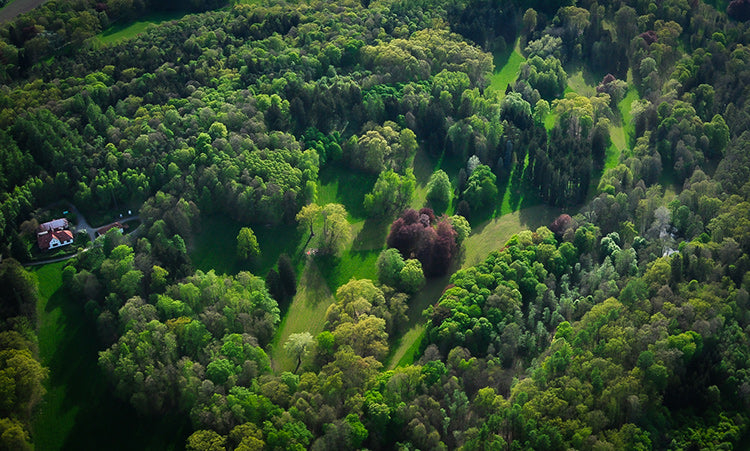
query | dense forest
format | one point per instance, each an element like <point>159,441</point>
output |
<point>624,323</point>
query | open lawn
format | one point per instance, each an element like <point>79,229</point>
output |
<point>507,68</point>
<point>406,348</point>
<point>120,32</point>
<point>337,184</point>
<point>578,83</point>
<point>492,235</point>
<point>627,119</point>
<point>215,247</point>
<point>80,410</point>
<point>307,313</point>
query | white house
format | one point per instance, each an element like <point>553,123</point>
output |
<point>53,239</point>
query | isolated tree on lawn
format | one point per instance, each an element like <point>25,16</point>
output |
<point>247,244</point>
<point>297,345</point>
<point>439,187</point>
<point>330,220</point>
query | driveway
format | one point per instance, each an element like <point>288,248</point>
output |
<point>81,225</point>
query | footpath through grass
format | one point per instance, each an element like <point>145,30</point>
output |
<point>80,410</point>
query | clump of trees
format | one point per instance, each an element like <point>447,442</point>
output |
<point>420,235</point>
<point>21,371</point>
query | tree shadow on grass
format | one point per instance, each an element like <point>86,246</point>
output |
<point>515,186</point>
<point>350,187</point>
<point>373,234</point>
<point>439,208</point>
<point>99,419</point>
<point>351,265</point>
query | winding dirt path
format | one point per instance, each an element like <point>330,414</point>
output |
<point>17,7</point>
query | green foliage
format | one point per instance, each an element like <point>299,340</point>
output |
<point>390,263</point>
<point>411,277</point>
<point>439,189</point>
<point>546,75</point>
<point>561,340</point>
<point>247,244</point>
<point>391,193</point>
<point>481,191</point>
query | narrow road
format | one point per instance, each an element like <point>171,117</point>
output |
<point>54,260</point>
<point>18,7</point>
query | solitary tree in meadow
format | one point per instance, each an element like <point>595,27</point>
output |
<point>247,244</point>
<point>297,345</point>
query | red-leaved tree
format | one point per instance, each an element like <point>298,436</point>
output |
<point>418,234</point>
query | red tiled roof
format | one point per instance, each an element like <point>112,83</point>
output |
<point>107,228</point>
<point>43,239</point>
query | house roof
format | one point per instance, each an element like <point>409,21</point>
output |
<point>44,238</point>
<point>107,228</point>
<point>61,223</point>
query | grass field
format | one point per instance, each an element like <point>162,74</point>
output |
<point>493,234</point>
<point>627,119</point>
<point>577,83</point>
<point>306,314</point>
<point>215,247</point>
<point>80,410</point>
<point>509,63</point>
<point>337,184</point>
<point>116,33</point>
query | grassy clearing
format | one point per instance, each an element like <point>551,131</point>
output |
<point>80,410</point>
<point>510,64</point>
<point>122,32</point>
<point>306,314</point>
<point>578,84</point>
<point>337,184</point>
<point>405,350</point>
<point>351,265</point>
<point>492,235</point>
<point>627,119</point>
<point>216,246</point>
<point>618,144</point>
